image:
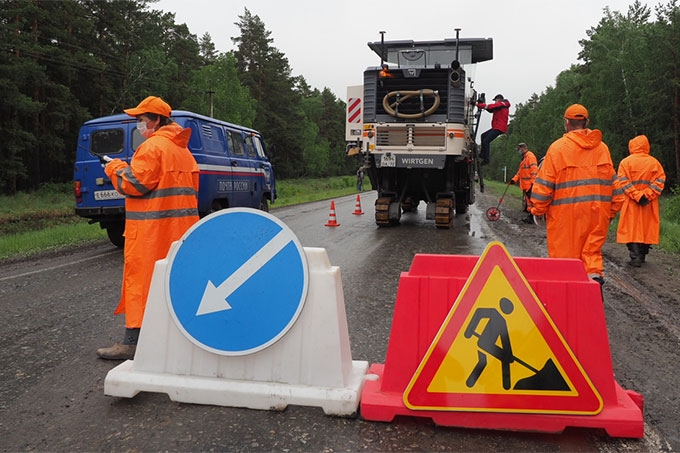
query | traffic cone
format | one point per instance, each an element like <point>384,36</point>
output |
<point>332,222</point>
<point>357,207</point>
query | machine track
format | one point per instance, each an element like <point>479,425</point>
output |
<point>443,214</point>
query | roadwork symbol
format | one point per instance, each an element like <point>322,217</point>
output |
<point>498,350</point>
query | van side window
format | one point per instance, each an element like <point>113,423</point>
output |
<point>108,141</point>
<point>250,146</point>
<point>236,143</point>
<point>259,146</point>
<point>213,140</point>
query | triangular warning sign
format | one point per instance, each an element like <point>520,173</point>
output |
<point>499,351</point>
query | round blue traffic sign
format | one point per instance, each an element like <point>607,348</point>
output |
<point>237,281</point>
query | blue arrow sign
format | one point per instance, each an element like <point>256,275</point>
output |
<point>237,281</point>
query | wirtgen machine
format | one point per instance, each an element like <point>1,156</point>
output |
<point>414,123</point>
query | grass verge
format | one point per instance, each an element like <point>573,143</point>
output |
<point>45,220</point>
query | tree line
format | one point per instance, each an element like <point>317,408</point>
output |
<point>65,62</point>
<point>68,61</point>
<point>629,80</point>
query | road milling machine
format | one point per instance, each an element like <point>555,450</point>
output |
<point>413,124</point>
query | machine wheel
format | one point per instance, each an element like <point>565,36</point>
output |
<point>443,213</point>
<point>115,233</point>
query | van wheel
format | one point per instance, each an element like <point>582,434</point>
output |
<point>115,232</point>
<point>264,204</point>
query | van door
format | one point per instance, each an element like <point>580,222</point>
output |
<point>257,179</point>
<point>269,181</point>
<point>241,169</point>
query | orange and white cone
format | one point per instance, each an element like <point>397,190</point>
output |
<point>332,222</point>
<point>357,207</point>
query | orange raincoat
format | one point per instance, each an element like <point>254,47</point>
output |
<point>161,189</point>
<point>575,190</point>
<point>640,174</point>
<point>528,169</point>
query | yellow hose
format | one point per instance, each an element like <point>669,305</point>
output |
<point>403,96</point>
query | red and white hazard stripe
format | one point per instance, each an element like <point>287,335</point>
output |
<point>354,110</point>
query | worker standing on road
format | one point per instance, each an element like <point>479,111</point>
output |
<point>161,188</point>
<point>574,193</point>
<point>500,108</point>
<point>642,179</point>
<point>525,176</point>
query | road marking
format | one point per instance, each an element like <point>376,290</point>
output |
<point>2,279</point>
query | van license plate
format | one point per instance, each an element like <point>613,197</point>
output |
<point>107,195</point>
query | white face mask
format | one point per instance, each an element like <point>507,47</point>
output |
<point>143,130</point>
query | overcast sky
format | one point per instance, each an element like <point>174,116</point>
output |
<point>325,40</point>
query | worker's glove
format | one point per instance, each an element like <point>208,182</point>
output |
<point>481,105</point>
<point>512,181</point>
<point>643,201</point>
<point>104,160</point>
<point>539,220</point>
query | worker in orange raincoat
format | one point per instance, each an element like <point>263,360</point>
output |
<point>642,179</point>
<point>575,193</point>
<point>525,176</point>
<point>161,202</point>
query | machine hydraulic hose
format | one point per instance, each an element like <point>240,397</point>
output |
<point>392,107</point>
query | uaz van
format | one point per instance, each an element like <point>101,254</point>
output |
<point>235,170</point>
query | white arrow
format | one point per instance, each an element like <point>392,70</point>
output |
<point>215,297</point>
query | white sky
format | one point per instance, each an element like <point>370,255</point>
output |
<point>325,40</point>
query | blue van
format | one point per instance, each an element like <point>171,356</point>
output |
<point>235,170</point>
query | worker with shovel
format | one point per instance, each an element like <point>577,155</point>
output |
<point>525,176</point>
<point>494,341</point>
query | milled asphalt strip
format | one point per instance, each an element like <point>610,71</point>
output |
<point>2,279</point>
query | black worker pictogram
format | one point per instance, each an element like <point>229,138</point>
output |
<point>494,340</point>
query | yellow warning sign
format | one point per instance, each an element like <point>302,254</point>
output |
<point>498,350</point>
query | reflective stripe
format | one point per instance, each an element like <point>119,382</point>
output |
<point>158,215</point>
<point>582,199</point>
<point>545,182</point>
<point>540,197</point>
<point>170,192</point>
<point>584,182</point>
<point>127,175</point>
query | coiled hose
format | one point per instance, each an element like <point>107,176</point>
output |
<point>392,108</point>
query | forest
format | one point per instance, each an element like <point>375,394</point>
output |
<point>628,76</point>
<point>65,62</point>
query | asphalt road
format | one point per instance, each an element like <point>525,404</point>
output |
<point>57,310</point>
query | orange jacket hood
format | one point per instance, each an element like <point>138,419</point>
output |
<point>585,138</point>
<point>175,133</point>
<point>639,145</point>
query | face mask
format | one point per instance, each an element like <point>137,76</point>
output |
<point>143,130</point>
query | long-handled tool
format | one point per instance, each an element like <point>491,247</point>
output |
<point>494,212</point>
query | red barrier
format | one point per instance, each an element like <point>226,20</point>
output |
<point>524,347</point>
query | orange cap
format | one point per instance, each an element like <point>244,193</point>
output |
<point>152,104</point>
<point>576,112</point>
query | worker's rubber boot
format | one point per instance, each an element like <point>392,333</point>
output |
<point>644,250</point>
<point>634,252</point>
